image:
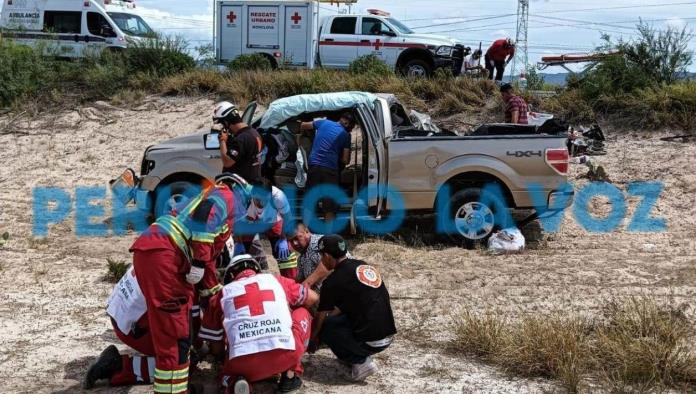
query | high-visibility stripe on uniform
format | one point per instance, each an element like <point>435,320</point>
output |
<point>177,232</point>
<point>169,375</point>
<point>170,388</point>
<point>291,262</point>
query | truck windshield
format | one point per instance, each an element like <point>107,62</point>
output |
<point>403,29</point>
<point>131,24</point>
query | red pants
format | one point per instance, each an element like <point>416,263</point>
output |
<point>260,366</point>
<point>136,369</point>
<point>169,300</point>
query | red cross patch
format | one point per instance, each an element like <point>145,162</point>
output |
<point>231,17</point>
<point>254,299</point>
<point>296,18</point>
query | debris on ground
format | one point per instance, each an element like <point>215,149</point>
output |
<point>509,240</point>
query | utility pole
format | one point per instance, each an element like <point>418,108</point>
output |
<point>519,63</point>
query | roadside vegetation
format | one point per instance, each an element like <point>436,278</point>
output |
<point>636,88</point>
<point>636,345</point>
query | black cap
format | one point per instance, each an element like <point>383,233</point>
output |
<point>506,87</point>
<point>334,245</point>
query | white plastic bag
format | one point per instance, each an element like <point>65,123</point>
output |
<point>508,240</point>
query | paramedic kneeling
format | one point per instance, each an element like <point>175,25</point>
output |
<point>266,324</point>
<point>355,318</point>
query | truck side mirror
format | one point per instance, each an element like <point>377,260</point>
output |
<point>211,141</point>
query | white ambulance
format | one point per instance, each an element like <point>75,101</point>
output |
<point>293,34</point>
<point>72,28</point>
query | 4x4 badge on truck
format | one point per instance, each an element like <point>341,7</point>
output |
<point>522,153</point>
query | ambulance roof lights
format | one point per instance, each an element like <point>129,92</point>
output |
<point>377,12</point>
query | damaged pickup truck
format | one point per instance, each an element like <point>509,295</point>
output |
<point>393,151</point>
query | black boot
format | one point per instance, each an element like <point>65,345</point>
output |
<point>108,363</point>
<point>287,384</point>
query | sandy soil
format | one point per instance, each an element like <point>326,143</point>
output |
<point>52,320</point>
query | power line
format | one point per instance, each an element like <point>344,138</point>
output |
<point>464,21</point>
<point>571,10</point>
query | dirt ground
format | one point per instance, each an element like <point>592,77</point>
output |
<point>52,317</point>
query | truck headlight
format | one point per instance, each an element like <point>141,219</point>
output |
<point>444,51</point>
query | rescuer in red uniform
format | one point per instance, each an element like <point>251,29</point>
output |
<point>151,305</point>
<point>500,53</point>
<point>265,322</point>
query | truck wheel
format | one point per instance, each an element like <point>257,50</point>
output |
<point>473,221</point>
<point>170,195</point>
<point>417,68</point>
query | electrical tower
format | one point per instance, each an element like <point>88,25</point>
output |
<point>519,63</point>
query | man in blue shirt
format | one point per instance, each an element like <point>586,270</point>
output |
<point>330,152</point>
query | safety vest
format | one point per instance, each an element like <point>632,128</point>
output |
<point>257,316</point>
<point>126,305</point>
<point>180,233</point>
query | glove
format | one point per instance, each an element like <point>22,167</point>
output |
<point>196,272</point>
<point>282,249</point>
<point>239,248</point>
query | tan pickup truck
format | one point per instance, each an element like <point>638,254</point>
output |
<point>394,152</point>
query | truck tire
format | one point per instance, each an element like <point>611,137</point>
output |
<point>417,68</point>
<point>474,221</point>
<point>170,195</point>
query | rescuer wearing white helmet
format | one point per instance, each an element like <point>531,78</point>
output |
<point>265,322</point>
<point>241,153</point>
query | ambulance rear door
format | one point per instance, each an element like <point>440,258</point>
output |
<point>263,30</point>
<point>231,26</point>
<point>298,40</point>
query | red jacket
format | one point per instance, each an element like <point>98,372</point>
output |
<point>207,223</point>
<point>498,52</point>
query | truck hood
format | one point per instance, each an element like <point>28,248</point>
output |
<point>430,39</point>
<point>183,143</point>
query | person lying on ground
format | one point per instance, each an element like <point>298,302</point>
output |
<point>264,321</point>
<point>354,317</point>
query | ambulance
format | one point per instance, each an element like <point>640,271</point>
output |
<point>72,28</point>
<point>293,34</point>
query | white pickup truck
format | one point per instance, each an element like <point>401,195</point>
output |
<point>294,34</point>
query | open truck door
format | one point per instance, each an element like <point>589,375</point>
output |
<point>376,161</point>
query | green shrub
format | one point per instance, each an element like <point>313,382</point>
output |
<point>115,270</point>
<point>369,64</point>
<point>24,71</point>
<point>252,62</point>
<point>158,56</point>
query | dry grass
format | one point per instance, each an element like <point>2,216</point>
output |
<point>636,345</point>
<point>116,270</point>
<point>644,345</point>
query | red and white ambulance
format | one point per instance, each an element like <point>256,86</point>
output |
<point>294,34</point>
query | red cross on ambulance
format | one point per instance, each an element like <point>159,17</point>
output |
<point>296,18</point>
<point>231,17</point>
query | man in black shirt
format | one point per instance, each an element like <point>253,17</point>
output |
<point>240,155</point>
<point>354,317</point>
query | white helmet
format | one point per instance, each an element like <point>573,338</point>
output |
<point>226,111</point>
<point>510,42</point>
<point>239,264</point>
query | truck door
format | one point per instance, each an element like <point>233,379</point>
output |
<point>338,46</point>
<point>263,31</point>
<point>230,37</point>
<point>376,159</point>
<point>297,38</point>
<point>377,38</point>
